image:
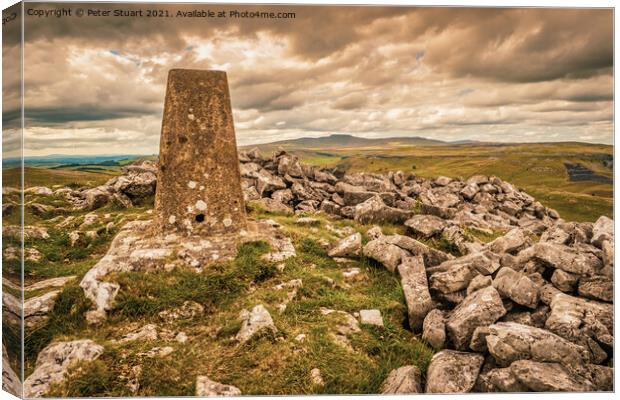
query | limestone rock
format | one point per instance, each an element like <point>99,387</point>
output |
<point>511,242</point>
<point>479,282</point>
<point>602,230</point>
<point>316,377</point>
<point>39,190</point>
<point>434,329</point>
<point>453,372</point>
<point>147,332</point>
<point>10,380</point>
<point>563,257</point>
<point>547,377</point>
<point>268,183</point>
<point>426,225</point>
<point>597,288</point>
<point>403,380</point>
<point>431,256</point>
<point>54,360</point>
<point>502,380</point>
<point>371,317</point>
<point>480,308</point>
<point>254,321</point>
<point>565,281</point>
<point>350,246</point>
<point>273,206</point>
<point>509,341</point>
<point>374,210</point>
<point>345,325</point>
<point>387,254</point>
<point>37,308</point>
<point>415,288</point>
<point>574,318</point>
<point>205,387</point>
<point>516,286</point>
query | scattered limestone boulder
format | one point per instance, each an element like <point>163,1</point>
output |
<point>511,242</point>
<point>147,332</point>
<point>205,387</point>
<point>516,286</point>
<point>415,288</point>
<point>54,360</point>
<point>426,225</point>
<point>481,308</point>
<point>272,206</point>
<point>39,190</point>
<point>403,380</point>
<point>316,377</point>
<point>254,321</point>
<point>10,380</point>
<point>563,257</point>
<point>434,329</point>
<point>500,380</point>
<point>453,372</point>
<point>565,281</point>
<point>509,341</point>
<point>268,183</point>
<point>50,283</point>
<point>385,253</point>
<point>602,230</point>
<point>431,256</point>
<point>37,308</point>
<point>350,246</point>
<point>596,288</point>
<point>374,211</point>
<point>548,377</point>
<point>371,317</point>
<point>479,282</point>
<point>575,318</point>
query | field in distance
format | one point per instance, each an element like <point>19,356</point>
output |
<point>576,179</point>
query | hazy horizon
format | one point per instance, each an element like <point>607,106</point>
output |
<point>485,74</point>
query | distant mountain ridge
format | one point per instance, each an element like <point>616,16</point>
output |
<point>353,141</point>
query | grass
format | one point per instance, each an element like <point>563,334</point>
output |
<point>34,176</point>
<point>268,364</point>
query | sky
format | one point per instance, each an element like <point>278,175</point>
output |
<point>96,85</point>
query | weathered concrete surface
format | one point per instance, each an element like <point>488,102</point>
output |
<point>198,181</point>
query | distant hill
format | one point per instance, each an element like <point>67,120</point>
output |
<point>341,140</point>
<point>67,159</point>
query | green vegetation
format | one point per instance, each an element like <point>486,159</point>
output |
<point>267,364</point>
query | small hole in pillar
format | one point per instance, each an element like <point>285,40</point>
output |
<point>200,218</point>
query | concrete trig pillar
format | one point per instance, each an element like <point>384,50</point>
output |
<point>198,181</point>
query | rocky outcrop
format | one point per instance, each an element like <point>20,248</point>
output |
<point>453,372</point>
<point>10,380</point>
<point>480,308</point>
<point>403,380</point>
<point>415,288</point>
<point>205,387</point>
<point>350,246</point>
<point>254,321</point>
<point>55,360</point>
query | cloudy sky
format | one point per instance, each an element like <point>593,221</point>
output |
<point>95,85</point>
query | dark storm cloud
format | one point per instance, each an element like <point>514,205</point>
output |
<point>459,73</point>
<point>76,114</point>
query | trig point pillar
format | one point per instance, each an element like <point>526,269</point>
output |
<point>198,182</point>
